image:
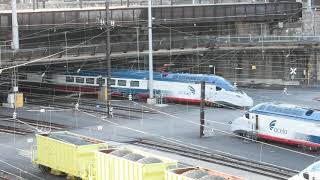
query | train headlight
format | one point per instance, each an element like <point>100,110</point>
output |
<point>247,115</point>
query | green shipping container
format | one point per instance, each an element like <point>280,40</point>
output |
<point>136,165</point>
<point>190,173</point>
<point>66,152</point>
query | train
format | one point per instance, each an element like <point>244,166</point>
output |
<point>312,172</point>
<point>173,87</point>
<point>283,123</point>
<point>81,157</point>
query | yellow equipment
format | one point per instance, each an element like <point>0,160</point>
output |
<point>136,165</point>
<point>66,152</point>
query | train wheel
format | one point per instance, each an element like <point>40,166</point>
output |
<point>44,169</point>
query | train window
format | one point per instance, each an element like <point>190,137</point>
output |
<point>101,81</point>
<point>122,82</point>
<point>112,82</point>
<point>69,79</point>
<point>90,80</point>
<point>309,112</point>
<point>134,84</point>
<point>79,80</point>
<point>218,88</point>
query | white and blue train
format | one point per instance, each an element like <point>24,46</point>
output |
<point>177,87</point>
<point>312,172</point>
<point>282,123</point>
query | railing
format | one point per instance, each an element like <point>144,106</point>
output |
<point>267,39</point>
<point>94,3</point>
<point>181,42</point>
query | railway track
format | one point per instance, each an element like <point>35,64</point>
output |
<point>35,123</point>
<point>102,111</point>
<point>23,131</point>
<point>222,159</point>
<point>39,98</point>
<point>14,130</point>
<point>4,175</point>
<point>86,105</point>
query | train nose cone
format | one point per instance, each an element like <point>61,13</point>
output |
<point>249,101</point>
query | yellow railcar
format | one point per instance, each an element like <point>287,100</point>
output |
<point>192,173</point>
<point>66,153</point>
<point>135,165</point>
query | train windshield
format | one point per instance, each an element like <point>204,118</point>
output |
<point>315,167</point>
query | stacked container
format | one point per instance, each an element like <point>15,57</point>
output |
<point>130,164</point>
<point>66,152</point>
<point>197,173</point>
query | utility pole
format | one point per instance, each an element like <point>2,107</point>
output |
<point>0,56</point>
<point>109,108</point>
<point>309,5</point>
<point>138,48</point>
<point>15,47</point>
<point>312,15</point>
<point>15,30</point>
<point>202,103</point>
<point>151,99</point>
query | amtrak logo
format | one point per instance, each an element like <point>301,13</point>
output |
<point>273,128</point>
<point>192,90</point>
<point>272,124</point>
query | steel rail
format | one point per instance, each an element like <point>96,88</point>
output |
<point>85,102</point>
<point>4,175</point>
<point>33,122</point>
<point>14,130</point>
<point>256,167</point>
<point>83,108</point>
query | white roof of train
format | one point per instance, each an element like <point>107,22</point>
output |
<point>289,110</point>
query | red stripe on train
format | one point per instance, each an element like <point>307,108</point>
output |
<point>288,141</point>
<point>183,100</point>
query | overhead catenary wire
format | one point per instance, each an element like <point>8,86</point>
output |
<point>40,59</point>
<point>176,117</point>
<point>183,143</point>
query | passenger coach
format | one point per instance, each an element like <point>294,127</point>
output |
<point>283,123</point>
<point>182,88</point>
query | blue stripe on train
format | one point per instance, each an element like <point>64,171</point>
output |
<point>314,139</point>
<point>308,137</point>
<point>129,90</point>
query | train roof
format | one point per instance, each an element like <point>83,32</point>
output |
<point>287,110</point>
<point>177,77</point>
